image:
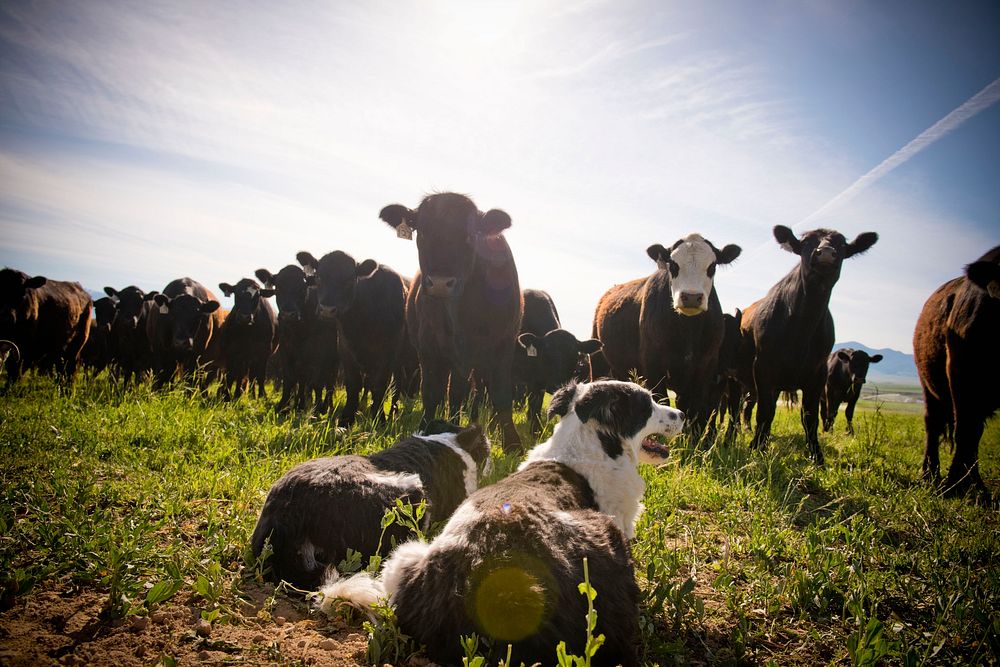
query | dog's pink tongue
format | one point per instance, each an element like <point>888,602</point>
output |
<point>655,447</point>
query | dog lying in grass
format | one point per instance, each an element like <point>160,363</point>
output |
<point>508,563</point>
<point>323,507</point>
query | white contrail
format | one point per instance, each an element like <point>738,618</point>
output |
<point>978,102</point>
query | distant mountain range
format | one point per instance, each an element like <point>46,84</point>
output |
<point>894,367</point>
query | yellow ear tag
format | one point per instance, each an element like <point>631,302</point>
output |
<point>404,231</point>
<point>532,351</point>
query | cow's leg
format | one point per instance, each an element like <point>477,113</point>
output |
<point>766,396</point>
<point>433,385</point>
<point>810,417</point>
<point>378,384</point>
<point>826,410</point>
<point>353,383</point>
<point>963,474</point>
<point>458,393</point>
<point>535,397</point>
<point>501,390</point>
<point>937,416</point>
<point>849,413</point>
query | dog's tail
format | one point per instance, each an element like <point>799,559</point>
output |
<point>364,591</point>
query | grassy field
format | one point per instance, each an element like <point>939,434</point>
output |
<point>125,518</point>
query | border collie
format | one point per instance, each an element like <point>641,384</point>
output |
<point>322,507</point>
<point>508,563</point>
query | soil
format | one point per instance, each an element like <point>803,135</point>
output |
<point>64,625</point>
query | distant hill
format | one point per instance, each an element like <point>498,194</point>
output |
<point>896,366</point>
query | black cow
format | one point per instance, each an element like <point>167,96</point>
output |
<point>367,302</point>
<point>133,353</point>
<point>547,356</point>
<point>958,360</point>
<point>846,373</point>
<point>181,330</point>
<point>788,335</point>
<point>668,327</point>
<point>728,387</point>
<point>307,345</point>
<point>97,354</point>
<point>464,311</point>
<point>47,320</point>
<point>249,337</point>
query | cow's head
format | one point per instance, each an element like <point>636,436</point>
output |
<point>855,364</point>
<point>336,276</point>
<point>557,354</point>
<point>290,286</point>
<point>15,300</point>
<point>450,232</point>
<point>691,262</point>
<point>731,338</point>
<point>822,251</point>
<point>105,309</point>
<point>132,304</point>
<point>246,294</point>
<point>188,317</point>
<point>985,272</point>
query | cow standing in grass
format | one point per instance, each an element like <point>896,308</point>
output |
<point>133,353</point>
<point>307,345</point>
<point>249,337</point>
<point>788,335</point>
<point>958,360</point>
<point>97,354</point>
<point>464,310</point>
<point>181,330</point>
<point>846,374</point>
<point>668,327</point>
<point>47,320</point>
<point>367,302</point>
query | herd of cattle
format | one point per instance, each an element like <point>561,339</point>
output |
<point>464,327</point>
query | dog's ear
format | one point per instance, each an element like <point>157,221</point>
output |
<point>473,440</point>
<point>562,400</point>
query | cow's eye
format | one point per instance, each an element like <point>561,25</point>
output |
<point>674,268</point>
<point>711,270</point>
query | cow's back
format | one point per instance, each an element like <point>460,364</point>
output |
<point>616,325</point>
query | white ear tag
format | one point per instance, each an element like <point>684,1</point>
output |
<point>404,231</point>
<point>532,351</point>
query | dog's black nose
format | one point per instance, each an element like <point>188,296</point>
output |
<point>677,415</point>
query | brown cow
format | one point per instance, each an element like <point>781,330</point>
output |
<point>48,321</point>
<point>464,310</point>
<point>788,335</point>
<point>182,327</point>
<point>958,360</point>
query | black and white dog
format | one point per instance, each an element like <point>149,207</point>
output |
<point>322,507</point>
<point>508,563</point>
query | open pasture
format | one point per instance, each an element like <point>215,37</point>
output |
<point>125,518</point>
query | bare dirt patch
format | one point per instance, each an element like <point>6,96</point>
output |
<point>60,624</point>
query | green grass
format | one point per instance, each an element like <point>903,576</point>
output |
<point>742,556</point>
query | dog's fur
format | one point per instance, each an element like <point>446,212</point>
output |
<point>322,507</point>
<point>508,562</point>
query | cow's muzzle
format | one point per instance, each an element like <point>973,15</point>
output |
<point>442,286</point>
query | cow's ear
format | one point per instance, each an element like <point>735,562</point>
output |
<point>306,259</point>
<point>786,237</point>
<point>875,359</point>
<point>209,307</point>
<point>34,283</point>
<point>264,276</point>
<point>861,243</point>
<point>266,292</point>
<point>493,222</point>
<point>562,401</point>
<point>986,275</point>
<point>366,268</point>
<point>658,253</point>
<point>397,214</point>
<point>226,288</point>
<point>163,301</point>
<point>149,296</point>
<point>111,291</point>
<point>589,346</point>
<point>844,355</point>
<point>728,254</point>
<point>738,316</point>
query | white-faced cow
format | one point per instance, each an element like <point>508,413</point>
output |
<point>47,320</point>
<point>788,335</point>
<point>249,337</point>
<point>958,360</point>
<point>464,310</point>
<point>668,327</point>
<point>367,302</point>
<point>846,374</point>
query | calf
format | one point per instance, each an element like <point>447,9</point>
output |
<point>846,372</point>
<point>787,336</point>
<point>728,388</point>
<point>668,327</point>
<point>547,357</point>
<point>322,508</point>
<point>248,337</point>
<point>181,329</point>
<point>97,354</point>
<point>958,361</point>
<point>133,353</point>
<point>464,310</point>
<point>47,320</point>
<point>307,345</point>
<point>367,302</point>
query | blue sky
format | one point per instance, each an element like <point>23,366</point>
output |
<point>140,142</point>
